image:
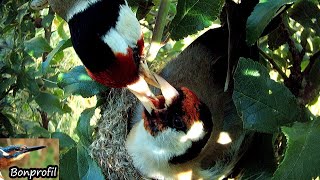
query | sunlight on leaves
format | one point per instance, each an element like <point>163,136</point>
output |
<point>78,82</point>
<point>264,104</point>
<point>249,72</point>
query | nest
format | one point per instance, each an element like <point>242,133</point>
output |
<point>109,147</point>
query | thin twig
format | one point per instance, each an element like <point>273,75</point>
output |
<point>295,54</point>
<point>47,34</point>
<point>160,24</point>
<point>226,85</point>
<point>274,64</point>
<point>294,82</point>
<point>47,80</point>
<point>12,87</point>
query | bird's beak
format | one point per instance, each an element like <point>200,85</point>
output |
<point>148,75</point>
<point>142,91</point>
<point>33,148</point>
<point>169,92</point>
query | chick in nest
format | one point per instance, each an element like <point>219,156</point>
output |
<point>199,134</point>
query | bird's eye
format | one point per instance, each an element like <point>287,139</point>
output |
<point>136,55</point>
<point>178,123</point>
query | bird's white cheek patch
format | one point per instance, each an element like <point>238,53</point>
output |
<point>115,41</point>
<point>195,133</point>
<point>128,26</point>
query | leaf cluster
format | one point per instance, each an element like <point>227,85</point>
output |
<point>287,35</point>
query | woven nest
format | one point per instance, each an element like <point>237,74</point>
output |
<point>109,147</point>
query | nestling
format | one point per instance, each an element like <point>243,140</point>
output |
<point>198,136</point>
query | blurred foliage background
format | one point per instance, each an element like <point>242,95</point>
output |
<point>45,92</point>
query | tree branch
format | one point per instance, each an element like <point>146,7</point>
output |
<point>274,64</point>
<point>47,34</point>
<point>295,54</point>
<point>157,34</point>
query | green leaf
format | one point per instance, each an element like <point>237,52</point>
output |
<point>22,12</point>
<point>26,80</point>
<point>307,13</point>
<point>66,108</point>
<point>135,3</point>
<point>63,44</point>
<point>302,157</point>
<point>36,46</point>
<point>38,131</point>
<point>280,61</point>
<point>264,104</point>
<point>87,167</point>
<point>2,64</point>
<point>314,75</point>
<point>7,124</point>
<point>69,165</point>
<point>144,8</point>
<point>304,38</point>
<point>27,125</point>
<point>262,14</point>
<point>78,82</point>
<point>47,20</point>
<point>49,103</point>
<point>6,83</point>
<point>65,141</point>
<point>84,129</point>
<point>193,16</point>
<point>60,29</point>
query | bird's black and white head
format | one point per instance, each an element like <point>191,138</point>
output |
<point>175,131</point>
<point>108,39</point>
<point>180,124</point>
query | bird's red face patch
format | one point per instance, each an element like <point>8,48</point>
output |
<point>154,122</point>
<point>122,72</point>
<point>190,106</point>
<point>180,115</point>
<point>140,45</point>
